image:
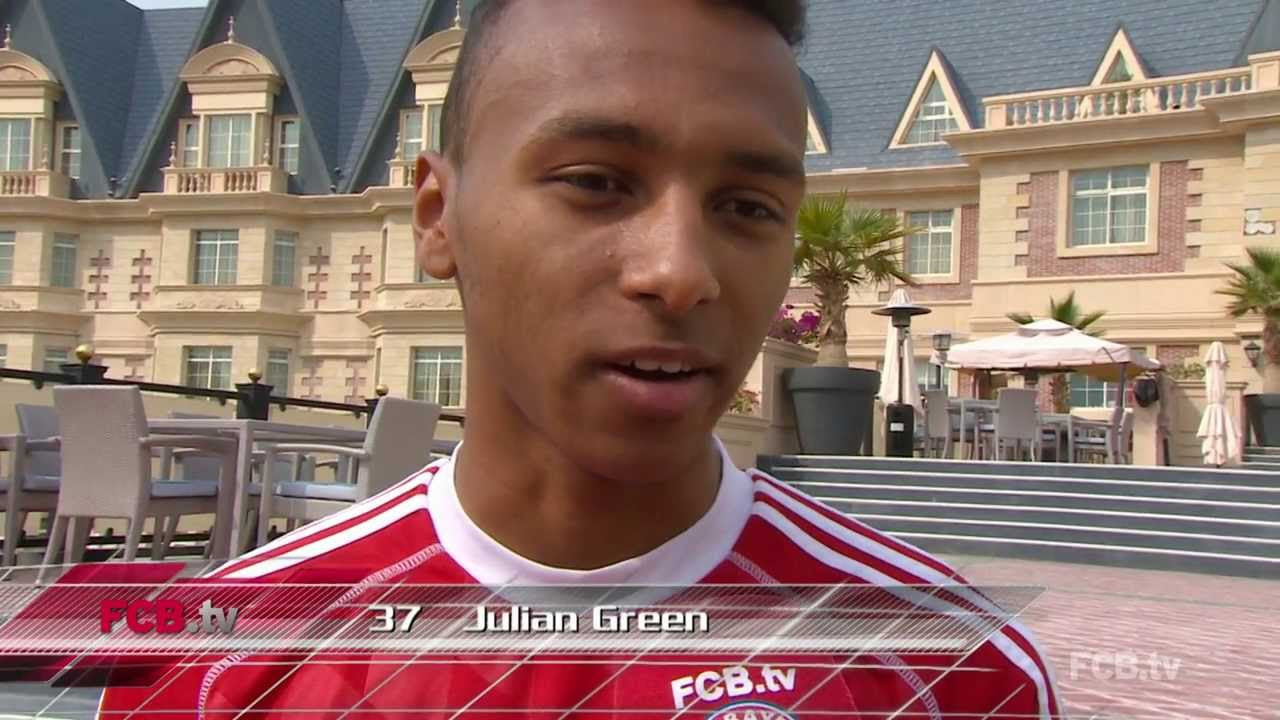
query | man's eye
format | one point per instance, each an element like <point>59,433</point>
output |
<point>751,210</point>
<point>593,182</point>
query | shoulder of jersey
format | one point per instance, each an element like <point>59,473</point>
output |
<point>841,542</point>
<point>356,525</point>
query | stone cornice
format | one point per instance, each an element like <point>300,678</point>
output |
<point>1099,132</point>
<point>862,181</point>
<point>412,320</point>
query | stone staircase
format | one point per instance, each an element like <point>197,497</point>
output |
<point>1188,519</point>
<point>1262,458</point>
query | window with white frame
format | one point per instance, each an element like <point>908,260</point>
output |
<point>230,141</point>
<point>6,258</point>
<point>284,262</point>
<point>277,375</point>
<point>207,366</point>
<point>55,357</point>
<point>435,117</point>
<point>69,151</point>
<point>15,143</point>
<point>929,250</point>
<point>933,118</point>
<point>287,144</point>
<point>189,143</point>
<point>1088,392</point>
<point>436,375</point>
<point>1109,206</point>
<point>215,256</point>
<point>411,134</point>
<point>62,270</point>
<point>4,356</point>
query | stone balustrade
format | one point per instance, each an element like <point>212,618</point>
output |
<point>1147,97</point>
<point>190,181</point>
<point>34,183</point>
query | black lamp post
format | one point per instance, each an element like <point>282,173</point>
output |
<point>1253,351</point>
<point>900,418</point>
<point>941,343</point>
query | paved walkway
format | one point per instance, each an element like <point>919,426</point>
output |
<point>1149,644</point>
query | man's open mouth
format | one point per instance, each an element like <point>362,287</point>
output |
<point>658,372</point>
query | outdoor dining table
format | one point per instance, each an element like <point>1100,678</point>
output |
<point>970,407</point>
<point>228,535</point>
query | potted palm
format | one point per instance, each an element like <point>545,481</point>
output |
<point>1255,289</point>
<point>839,247</point>
<point>1068,312</point>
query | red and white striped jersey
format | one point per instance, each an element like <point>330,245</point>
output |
<point>758,531</point>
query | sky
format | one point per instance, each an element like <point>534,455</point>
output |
<point>152,4</point>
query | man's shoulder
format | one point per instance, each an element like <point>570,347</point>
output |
<point>830,542</point>
<point>371,533</point>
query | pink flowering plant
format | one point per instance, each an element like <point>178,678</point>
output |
<point>745,402</point>
<point>801,330</point>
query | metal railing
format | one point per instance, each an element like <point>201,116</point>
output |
<point>253,399</point>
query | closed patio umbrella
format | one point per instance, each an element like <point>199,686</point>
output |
<point>1219,442</point>
<point>889,374</point>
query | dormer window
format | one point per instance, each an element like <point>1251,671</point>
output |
<point>15,144</point>
<point>411,134</point>
<point>189,140</point>
<point>934,108</point>
<point>435,115</point>
<point>932,120</point>
<point>230,141</point>
<point>287,144</point>
<point>69,150</point>
<point>1119,72</point>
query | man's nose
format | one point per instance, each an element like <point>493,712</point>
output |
<point>666,255</point>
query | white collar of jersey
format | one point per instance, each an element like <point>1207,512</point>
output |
<point>683,560</point>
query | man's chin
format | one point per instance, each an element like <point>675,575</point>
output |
<point>644,452</point>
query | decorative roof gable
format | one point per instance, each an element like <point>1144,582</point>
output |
<point>934,108</point>
<point>1120,63</point>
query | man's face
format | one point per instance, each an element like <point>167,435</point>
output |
<point>625,209</point>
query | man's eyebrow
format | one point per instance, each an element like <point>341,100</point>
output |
<point>589,128</point>
<point>778,165</point>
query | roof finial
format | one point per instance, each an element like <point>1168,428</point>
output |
<point>231,29</point>
<point>8,36</point>
<point>173,154</point>
<point>457,14</point>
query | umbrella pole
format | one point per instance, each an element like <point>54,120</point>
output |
<point>1117,417</point>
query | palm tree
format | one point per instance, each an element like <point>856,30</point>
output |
<point>839,247</point>
<point>1255,288</point>
<point>1071,313</point>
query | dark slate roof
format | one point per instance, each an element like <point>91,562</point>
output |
<point>309,34</point>
<point>164,43</point>
<point>376,37</point>
<point>91,39</point>
<point>866,57</point>
<point>342,62</point>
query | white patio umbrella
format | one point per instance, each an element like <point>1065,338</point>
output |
<point>1220,443</point>
<point>889,389</point>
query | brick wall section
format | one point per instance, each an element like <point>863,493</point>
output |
<point>1171,226</point>
<point>968,256</point>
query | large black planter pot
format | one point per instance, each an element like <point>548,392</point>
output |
<point>1264,417</point>
<point>834,408</point>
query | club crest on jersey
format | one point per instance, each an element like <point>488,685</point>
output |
<point>751,710</point>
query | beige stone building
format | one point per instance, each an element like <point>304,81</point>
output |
<point>201,192</point>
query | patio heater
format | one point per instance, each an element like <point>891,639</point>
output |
<point>899,417</point>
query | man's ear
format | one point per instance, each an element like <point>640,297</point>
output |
<point>433,183</point>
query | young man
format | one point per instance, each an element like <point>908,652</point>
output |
<point>616,201</point>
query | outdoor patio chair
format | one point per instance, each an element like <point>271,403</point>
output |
<point>1017,421</point>
<point>399,442</point>
<point>937,424</point>
<point>106,462</point>
<point>35,472</point>
<point>200,466</point>
<point>1097,445</point>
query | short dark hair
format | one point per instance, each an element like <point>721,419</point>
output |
<point>786,16</point>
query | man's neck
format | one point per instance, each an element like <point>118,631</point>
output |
<point>532,498</point>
